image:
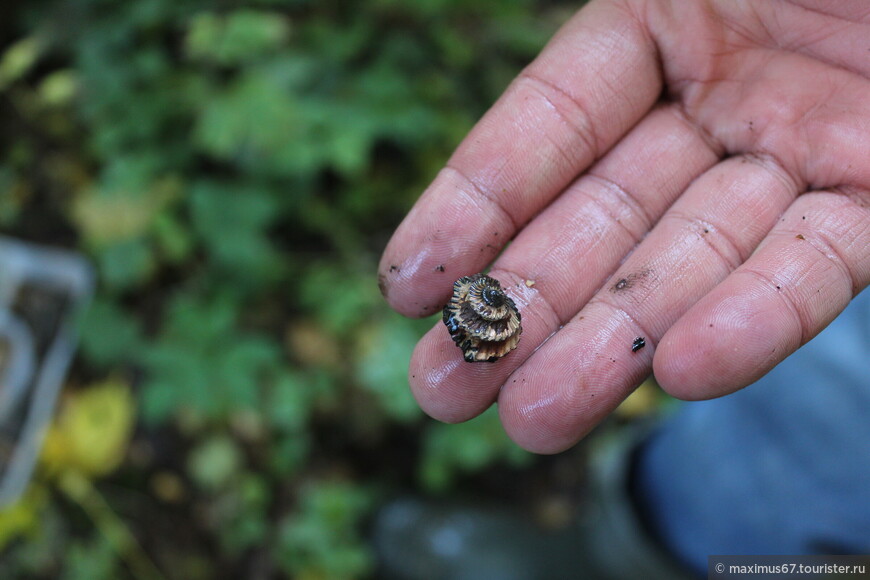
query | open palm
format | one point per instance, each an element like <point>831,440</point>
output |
<point>694,172</point>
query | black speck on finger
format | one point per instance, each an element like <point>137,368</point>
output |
<point>638,344</point>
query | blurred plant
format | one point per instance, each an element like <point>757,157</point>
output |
<point>201,363</point>
<point>234,170</point>
<point>87,440</point>
<point>451,450</point>
<point>22,518</point>
<point>647,400</point>
<point>322,540</point>
<point>91,432</point>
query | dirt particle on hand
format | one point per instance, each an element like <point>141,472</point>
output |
<point>427,310</point>
<point>800,237</point>
<point>629,281</point>
<point>439,267</point>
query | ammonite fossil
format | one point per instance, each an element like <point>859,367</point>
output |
<point>483,321</point>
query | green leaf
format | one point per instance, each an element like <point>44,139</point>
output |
<point>288,453</point>
<point>323,540</point>
<point>258,124</point>
<point>110,335</point>
<point>385,351</point>
<point>173,238</point>
<point>202,362</point>
<point>94,559</point>
<point>467,447</point>
<point>340,298</point>
<point>236,38</point>
<point>214,462</point>
<point>19,59</point>
<point>59,88</point>
<point>232,223</point>
<point>125,264</point>
<point>240,513</point>
<point>290,402</point>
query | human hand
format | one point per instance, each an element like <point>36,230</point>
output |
<point>696,173</point>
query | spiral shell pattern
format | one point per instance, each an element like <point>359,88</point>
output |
<point>482,320</point>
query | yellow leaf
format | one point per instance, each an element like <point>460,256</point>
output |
<point>643,401</point>
<point>111,216</point>
<point>92,431</point>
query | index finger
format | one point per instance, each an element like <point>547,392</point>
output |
<point>595,79</point>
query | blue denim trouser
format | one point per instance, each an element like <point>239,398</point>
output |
<point>781,467</point>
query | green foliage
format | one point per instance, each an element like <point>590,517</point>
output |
<point>338,297</point>
<point>383,366</point>
<point>235,38</point>
<point>232,225</point>
<point>233,171</point>
<point>36,556</point>
<point>468,447</point>
<point>203,363</point>
<point>109,336</point>
<point>22,518</point>
<point>321,540</point>
<point>18,59</point>
<point>90,560</point>
<point>214,462</point>
<point>240,513</point>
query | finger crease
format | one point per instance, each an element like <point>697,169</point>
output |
<point>579,118</point>
<point>714,144</point>
<point>777,169</point>
<point>706,231</point>
<point>787,298</point>
<point>821,243</point>
<point>482,196</point>
<point>649,338</point>
<point>626,198</point>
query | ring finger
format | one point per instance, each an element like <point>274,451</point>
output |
<point>592,363</point>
